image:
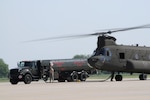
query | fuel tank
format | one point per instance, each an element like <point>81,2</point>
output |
<point>67,64</point>
<point>138,66</point>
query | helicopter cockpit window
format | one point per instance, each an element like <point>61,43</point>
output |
<point>99,52</point>
<point>105,52</point>
<point>102,51</point>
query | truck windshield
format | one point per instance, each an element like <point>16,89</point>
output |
<point>26,64</point>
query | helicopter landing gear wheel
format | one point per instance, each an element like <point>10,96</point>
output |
<point>118,77</point>
<point>143,77</point>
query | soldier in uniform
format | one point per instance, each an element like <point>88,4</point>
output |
<point>51,72</point>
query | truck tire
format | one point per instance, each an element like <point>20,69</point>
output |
<point>12,81</point>
<point>83,76</point>
<point>27,79</point>
<point>74,76</point>
<point>45,78</point>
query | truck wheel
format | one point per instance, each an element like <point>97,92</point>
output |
<point>27,79</point>
<point>74,76</point>
<point>61,77</point>
<point>83,76</point>
<point>45,78</point>
<point>12,81</point>
<point>69,79</point>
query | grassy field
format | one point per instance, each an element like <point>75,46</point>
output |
<point>4,80</point>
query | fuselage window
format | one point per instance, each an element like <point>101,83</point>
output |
<point>121,55</point>
<point>107,53</point>
<point>136,56</point>
<point>149,57</point>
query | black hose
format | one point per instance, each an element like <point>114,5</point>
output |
<point>106,79</point>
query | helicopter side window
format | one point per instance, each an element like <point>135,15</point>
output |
<point>121,55</point>
<point>107,53</point>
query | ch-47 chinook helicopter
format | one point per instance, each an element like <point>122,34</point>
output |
<point>115,58</point>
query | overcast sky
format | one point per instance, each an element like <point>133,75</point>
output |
<point>23,20</point>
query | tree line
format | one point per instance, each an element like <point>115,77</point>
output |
<point>3,69</point>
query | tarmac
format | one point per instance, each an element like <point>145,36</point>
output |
<point>128,89</point>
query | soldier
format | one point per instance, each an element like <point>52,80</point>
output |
<point>112,76</point>
<point>51,72</point>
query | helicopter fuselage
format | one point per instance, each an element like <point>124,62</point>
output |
<point>120,58</point>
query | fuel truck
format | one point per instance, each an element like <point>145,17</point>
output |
<point>70,70</point>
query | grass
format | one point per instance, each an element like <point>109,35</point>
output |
<point>4,80</point>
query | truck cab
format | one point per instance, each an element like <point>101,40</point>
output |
<point>27,71</point>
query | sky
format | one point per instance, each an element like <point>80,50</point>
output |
<point>23,20</point>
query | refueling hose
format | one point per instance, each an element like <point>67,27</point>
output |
<point>106,79</point>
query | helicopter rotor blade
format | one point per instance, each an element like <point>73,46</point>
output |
<point>92,34</point>
<point>130,28</point>
<point>121,29</point>
<point>60,37</point>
